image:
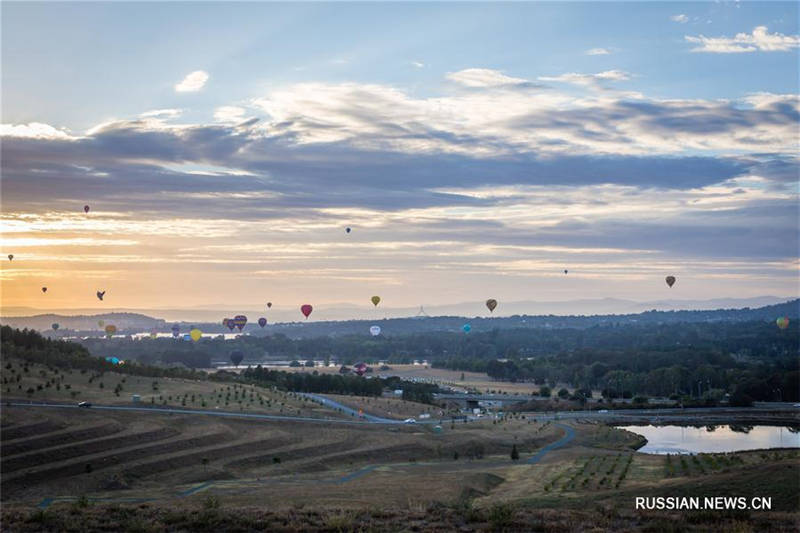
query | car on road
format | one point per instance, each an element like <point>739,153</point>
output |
<point>603,411</point>
<point>84,404</point>
<point>409,421</point>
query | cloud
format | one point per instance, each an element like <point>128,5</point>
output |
<point>758,41</point>
<point>588,79</point>
<point>162,113</point>
<point>418,64</point>
<point>483,77</point>
<point>598,52</point>
<point>681,18</point>
<point>33,130</point>
<point>229,113</point>
<point>193,82</point>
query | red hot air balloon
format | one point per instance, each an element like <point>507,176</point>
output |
<point>306,309</point>
<point>262,321</point>
<point>239,321</point>
<point>360,369</point>
<point>86,209</point>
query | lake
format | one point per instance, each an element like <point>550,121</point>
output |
<point>713,439</point>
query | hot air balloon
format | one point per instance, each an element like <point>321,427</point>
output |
<point>262,321</point>
<point>44,289</point>
<point>231,324</point>
<point>306,309</point>
<point>101,323</point>
<point>55,326</point>
<point>670,280</point>
<point>347,230</point>
<point>783,322</point>
<point>239,321</point>
<point>176,329</point>
<point>86,209</point>
<point>225,322</point>
<point>360,368</point>
<point>10,257</point>
<point>269,305</point>
<point>375,300</point>
<point>110,330</point>
<point>100,295</point>
<point>375,330</point>
<point>565,271</point>
<point>195,334</point>
<point>236,357</point>
<point>466,328</point>
<point>491,303</point>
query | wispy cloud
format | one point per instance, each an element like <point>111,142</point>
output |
<point>680,18</point>
<point>483,77</point>
<point>418,64</point>
<point>598,52</point>
<point>760,40</point>
<point>193,82</point>
<point>229,114</point>
<point>588,79</point>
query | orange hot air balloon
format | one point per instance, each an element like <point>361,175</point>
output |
<point>111,329</point>
<point>670,280</point>
<point>306,309</point>
<point>783,322</point>
<point>491,303</point>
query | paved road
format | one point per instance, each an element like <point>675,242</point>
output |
<point>569,434</point>
<point>170,410</point>
<point>349,410</point>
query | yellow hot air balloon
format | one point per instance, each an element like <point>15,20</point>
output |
<point>783,322</point>
<point>101,323</point>
<point>375,300</point>
<point>195,334</point>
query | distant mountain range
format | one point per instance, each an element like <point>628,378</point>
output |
<point>436,319</point>
<point>346,311</point>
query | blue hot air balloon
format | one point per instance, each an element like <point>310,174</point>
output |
<point>466,328</point>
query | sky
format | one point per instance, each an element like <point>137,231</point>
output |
<point>476,150</point>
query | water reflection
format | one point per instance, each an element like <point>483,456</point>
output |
<point>710,439</point>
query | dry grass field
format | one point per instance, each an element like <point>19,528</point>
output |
<point>93,469</point>
<point>472,380</point>
<point>41,384</point>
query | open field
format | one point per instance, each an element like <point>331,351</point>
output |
<point>472,380</point>
<point>39,383</point>
<point>153,470</point>
<point>187,469</point>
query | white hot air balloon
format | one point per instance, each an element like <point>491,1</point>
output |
<point>375,330</point>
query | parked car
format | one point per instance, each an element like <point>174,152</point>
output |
<point>603,411</point>
<point>409,421</point>
<point>84,404</point>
